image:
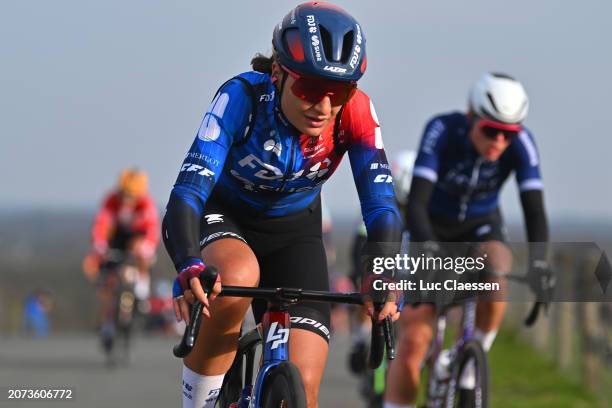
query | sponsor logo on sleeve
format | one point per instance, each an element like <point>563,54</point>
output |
<point>202,171</point>
<point>383,178</point>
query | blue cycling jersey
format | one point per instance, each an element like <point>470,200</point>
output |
<point>467,185</point>
<point>250,158</point>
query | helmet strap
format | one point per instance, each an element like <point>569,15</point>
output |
<point>281,88</point>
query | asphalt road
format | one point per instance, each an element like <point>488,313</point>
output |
<point>151,380</point>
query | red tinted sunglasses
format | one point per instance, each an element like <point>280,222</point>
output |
<point>312,90</point>
<point>492,129</point>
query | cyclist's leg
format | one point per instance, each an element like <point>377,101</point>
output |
<point>144,254</point>
<point>215,348</point>
<point>308,351</point>
<point>223,246</point>
<point>415,337</point>
<point>490,235</point>
<point>489,314</point>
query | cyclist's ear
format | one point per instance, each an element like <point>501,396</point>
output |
<point>276,72</point>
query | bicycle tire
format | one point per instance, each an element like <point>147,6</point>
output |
<point>283,387</point>
<point>472,349</point>
<point>233,382</point>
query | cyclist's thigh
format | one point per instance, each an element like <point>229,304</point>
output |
<point>223,246</point>
<point>498,256</point>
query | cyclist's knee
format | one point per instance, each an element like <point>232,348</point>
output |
<point>235,261</point>
<point>499,256</point>
<point>415,337</point>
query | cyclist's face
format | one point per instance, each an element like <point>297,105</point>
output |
<point>491,148</point>
<point>307,117</point>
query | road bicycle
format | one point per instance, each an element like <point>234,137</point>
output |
<point>118,275</point>
<point>278,382</point>
<point>446,368</point>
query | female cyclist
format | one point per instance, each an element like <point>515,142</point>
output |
<point>247,196</point>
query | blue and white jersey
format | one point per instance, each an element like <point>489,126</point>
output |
<point>467,185</point>
<point>272,170</point>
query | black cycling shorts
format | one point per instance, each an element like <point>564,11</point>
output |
<point>467,234</point>
<point>122,238</point>
<point>289,251</point>
<point>489,227</point>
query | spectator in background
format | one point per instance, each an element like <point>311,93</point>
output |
<point>36,308</point>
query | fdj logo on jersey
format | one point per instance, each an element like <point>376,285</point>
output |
<point>277,336</point>
<point>266,171</point>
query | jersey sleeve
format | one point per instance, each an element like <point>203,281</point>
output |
<point>223,123</point>
<point>527,162</point>
<point>371,172</point>
<point>427,163</point>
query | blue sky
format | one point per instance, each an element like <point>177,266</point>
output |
<point>88,87</point>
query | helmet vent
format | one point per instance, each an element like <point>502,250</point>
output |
<point>490,97</point>
<point>347,46</point>
<point>327,43</point>
<point>502,76</point>
<point>293,43</point>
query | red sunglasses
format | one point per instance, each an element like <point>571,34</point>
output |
<point>312,90</point>
<point>492,129</point>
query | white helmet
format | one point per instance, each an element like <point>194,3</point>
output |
<point>499,97</point>
<point>401,168</point>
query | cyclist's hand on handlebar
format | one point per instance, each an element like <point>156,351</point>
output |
<point>541,280</point>
<point>188,288</point>
<point>392,300</point>
<point>390,308</point>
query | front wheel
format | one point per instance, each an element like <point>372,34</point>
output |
<point>472,354</point>
<point>283,388</point>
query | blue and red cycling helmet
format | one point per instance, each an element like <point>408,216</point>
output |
<point>321,40</point>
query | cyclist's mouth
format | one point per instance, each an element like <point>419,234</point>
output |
<point>315,122</point>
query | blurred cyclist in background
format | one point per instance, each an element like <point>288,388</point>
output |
<point>128,223</point>
<point>463,161</point>
<point>247,197</point>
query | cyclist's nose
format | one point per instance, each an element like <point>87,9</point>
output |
<point>324,106</point>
